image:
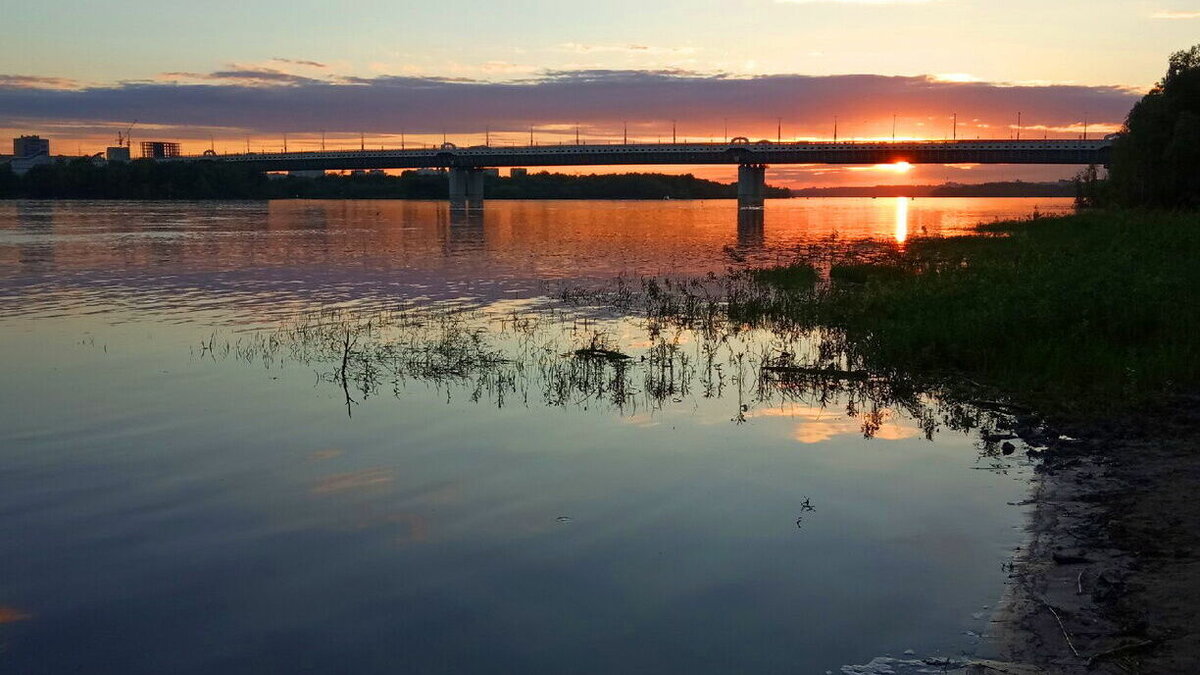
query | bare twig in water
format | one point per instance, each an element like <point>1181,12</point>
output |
<point>1064,630</point>
<point>1119,650</point>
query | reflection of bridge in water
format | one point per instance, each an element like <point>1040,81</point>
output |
<point>465,167</point>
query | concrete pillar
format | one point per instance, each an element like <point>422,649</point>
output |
<point>752,185</point>
<point>466,188</point>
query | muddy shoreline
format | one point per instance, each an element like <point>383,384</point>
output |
<point>1109,581</point>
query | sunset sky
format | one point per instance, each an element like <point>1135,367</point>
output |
<point>220,72</point>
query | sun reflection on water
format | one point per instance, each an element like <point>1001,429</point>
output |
<point>901,219</point>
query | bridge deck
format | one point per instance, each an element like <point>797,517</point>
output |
<point>920,152</point>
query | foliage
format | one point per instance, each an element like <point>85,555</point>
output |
<point>786,276</point>
<point>9,182</point>
<point>1155,159</point>
<point>147,179</point>
<point>1086,313</point>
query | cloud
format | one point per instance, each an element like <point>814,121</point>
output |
<point>32,82</point>
<point>270,101</point>
<point>1170,14</point>
<point>300,62</point>
<point>249,75</point>
<point>956,77</point>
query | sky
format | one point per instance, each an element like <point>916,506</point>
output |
<point>225,74</point>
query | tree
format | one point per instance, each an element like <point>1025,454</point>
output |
<point>1156,158</point>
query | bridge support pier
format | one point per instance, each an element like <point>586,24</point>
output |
<point>466,188</point>
<point>752,185</point>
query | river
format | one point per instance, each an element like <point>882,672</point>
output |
<point>298,436</point>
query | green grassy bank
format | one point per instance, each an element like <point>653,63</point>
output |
<point>1088,314</point>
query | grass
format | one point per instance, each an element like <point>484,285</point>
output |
<point>788,277</point>
<point>1083,314</point>
<point>862,273</point>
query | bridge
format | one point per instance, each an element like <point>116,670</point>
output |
<point>465,166</point>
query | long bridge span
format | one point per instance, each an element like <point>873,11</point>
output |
<point>465,165</point>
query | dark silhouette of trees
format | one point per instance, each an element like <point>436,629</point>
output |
<point>147,179</point>
<point>1156,159</point>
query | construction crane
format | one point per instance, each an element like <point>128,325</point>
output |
<point>125,140</point>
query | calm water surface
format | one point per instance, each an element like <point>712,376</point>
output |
<point>192,480</point>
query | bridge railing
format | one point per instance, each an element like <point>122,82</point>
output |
<point>767,148</point>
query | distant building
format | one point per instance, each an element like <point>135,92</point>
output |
<point>30,146</point>
<point>518,172</point>
<point>160,149</point>
<point>437,171</point>
<point>307,173</point>
<point>492,172</point>
<point>117,153</point>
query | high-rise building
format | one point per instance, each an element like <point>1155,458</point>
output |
<point>30,146</point>
<point>159,149</point>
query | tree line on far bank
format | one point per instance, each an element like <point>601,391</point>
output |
<point>147,179</point>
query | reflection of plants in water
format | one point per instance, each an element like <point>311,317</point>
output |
<point>559,360</point>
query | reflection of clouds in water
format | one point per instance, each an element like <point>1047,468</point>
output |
<point>12,615</point>
<point>816,425</point>
<point>405,526</point>
<point>322,455</point>
<point>366,479</point>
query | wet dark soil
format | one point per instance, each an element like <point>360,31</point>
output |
<point>1110,581</point>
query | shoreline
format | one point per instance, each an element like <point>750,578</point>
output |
<point>1106,582</point>
<point>1089,319</point>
